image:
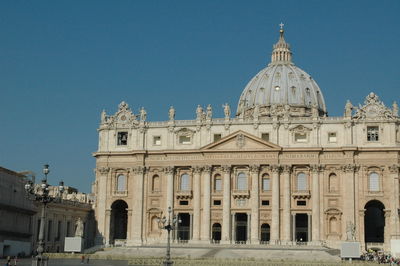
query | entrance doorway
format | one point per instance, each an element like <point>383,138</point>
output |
<point>265,233</point>
<point>216,233</point>
<point>241,228</point>
<point>374,222</point>
<point>118,220</point>
<point>183,232</point>
<point>301,230</point>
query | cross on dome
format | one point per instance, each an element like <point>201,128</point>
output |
<point>281,25</point>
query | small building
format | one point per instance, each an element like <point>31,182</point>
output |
<point>16,215</point>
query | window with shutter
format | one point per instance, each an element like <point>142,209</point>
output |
<point>373,182</point>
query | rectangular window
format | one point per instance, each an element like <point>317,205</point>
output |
<point>58,230</point>
<point>156,140</point>
<point>332,137</point>
<point>183,202</point>
<point>122,138</point>
<point>217,202</point>
<point>49,228</point>
<point>217,137</point>
<point>300,137</point>
<point>68,228</point>
<point>265,136</point>
<point>301,203</point>
<point>373,133</point>
<point>265,202</point>
<point>185,139</point>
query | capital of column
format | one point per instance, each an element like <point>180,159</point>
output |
<point>286,169</point>
<point>103,170</point>
<point>349,168</point>
<point>226,168</point>
<point>169,170</point>
<point>197,169</point>
<point>394,169</point>
<point>275,168</point>
<point>315,168</point>
<point>255,168</point>
<point>138,170</point>
<point>207,169</point>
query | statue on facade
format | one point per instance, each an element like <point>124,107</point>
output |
<point>348,109</point>
<point>79,228</point>
<point>103,117</point>
<point>286,111</point>
<point>199,112</point>
<point>350,231</point>
<point>227,110</point>
<point>395,109</point>
<point>273,110</point>
<point>171,113</point>
<point>143,114</point>
<point>209,112</point>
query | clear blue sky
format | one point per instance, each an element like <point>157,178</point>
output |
<point>62,62</point>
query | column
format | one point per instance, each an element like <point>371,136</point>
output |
<point>206,217</point>
<point>255,205</point>
<point>248,228</point>
<point>108,225</point>
<point>137,205</point>
<point>196,203</point>
<point>170,188</point>
<point>286,233</point>
<point>294,227</point>
<point>394,176</point>
<point>315,202</point>
<point>102,176</point>
<point>275,225</point>
<point>361,214</point>
<point>309,226</point>
<point>226,205</point>
<point>348,197</point>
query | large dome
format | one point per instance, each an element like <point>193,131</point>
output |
<point>281,88</point>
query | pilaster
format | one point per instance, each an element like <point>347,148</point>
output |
<point>169,171</point>
<point>137,206</point>
<point>226,205</point>
<point>255,205</point>
<point>275,224</point>
<point>102,178</point>
<point>286,233</point>
<point>315,202</point>
<point>205,230</point>
<point>196,203</point>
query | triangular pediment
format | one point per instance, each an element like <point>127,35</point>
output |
<point>241,140</point>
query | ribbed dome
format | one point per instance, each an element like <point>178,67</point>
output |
<point>281,88</point>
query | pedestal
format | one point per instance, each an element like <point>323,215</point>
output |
<point>395,247</point>
<point>42,261</point>
<point>73,244</point>
<point>350,250</point>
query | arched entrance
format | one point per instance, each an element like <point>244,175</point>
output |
<point>118,220</point>
<point>374,222</point>
<point>216,232</point>
<point>265,233</point>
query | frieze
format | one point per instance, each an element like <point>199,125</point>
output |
<point>299,156</point>
<point>242,156</point>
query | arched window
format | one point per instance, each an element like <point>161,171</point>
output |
<point>241,181</point>
<point>156,183</point>
<point>266,182</point>
<point>374,182</point>
<point>121,183</point>
<point>217,182</point>
<point>301,182</point>
<point>265,232</point>
<point>333,183</point>
<point>185,185</point>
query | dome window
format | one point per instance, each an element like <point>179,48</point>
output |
<point>293,90</point>
<point>277,88</point>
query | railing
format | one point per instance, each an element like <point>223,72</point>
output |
<point>240,242</point>
<point>264,243</point>
<point>120,193</point>
<point>301,194</point>
<point>240,193</point>
<point>184,194</point>
<point>213,241</point>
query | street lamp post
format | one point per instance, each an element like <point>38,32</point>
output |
<point>41,195</point>
<point>169,225</point>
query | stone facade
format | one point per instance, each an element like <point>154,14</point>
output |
<point>279,172</point>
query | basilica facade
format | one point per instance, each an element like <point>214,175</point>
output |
<point>278,171</point>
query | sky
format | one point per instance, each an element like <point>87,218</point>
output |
<point>63,62</point>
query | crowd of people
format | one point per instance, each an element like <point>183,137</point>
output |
<point>379,257</point>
